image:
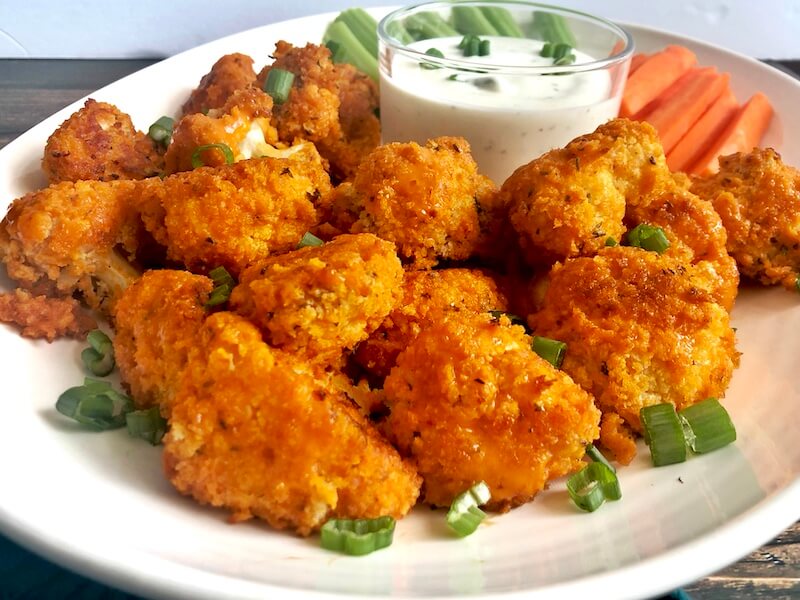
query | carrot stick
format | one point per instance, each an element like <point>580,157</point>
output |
<point>692,95</point>
<point>636,61</point>
<point>703,133</point>
<point>742,134</point>
<point>653,76</point>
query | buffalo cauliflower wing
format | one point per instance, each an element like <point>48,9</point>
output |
<point>230,73</point>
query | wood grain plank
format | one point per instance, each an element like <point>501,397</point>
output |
<point>744,588</point>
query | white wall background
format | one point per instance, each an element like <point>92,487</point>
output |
<point>158,28</point>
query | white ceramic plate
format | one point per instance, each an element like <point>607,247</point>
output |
<point>98,503</point>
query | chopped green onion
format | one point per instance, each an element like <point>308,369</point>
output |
<point>553,351</point>
<point>95,404</point>
<point>161,131</point>
<point>338,53</point>
<point>147,424</point>
<point>223,286</point>
<point>611,242</point>
<point>565,60</point>
<point>351,48</point>
<point>484,48</point>
<point>99,357</point>
<point>552,27</point>
<point>428,24</point>
<point>278,84</point>
<point>597,456</point>
<point>664,434</point>
<point>648,237</point>
<point>592,485</point>
<point>197,159</point>
<point>471,19</point>
<point>357,537</point>
<point>464,515</point>
<point>309,239</point>
<point>502,21</point>
<point>708,426</point>
<point>432,52</point>
<point>547,50</point>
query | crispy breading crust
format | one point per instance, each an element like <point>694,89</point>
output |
<point>255,431</point>
<point>43,317</point>
<point>242,124</point>
<point>617,439</point>
<point>471,401</point>
<point>426,199</point>
<point>758,199</point>
<point>640,328</point>
<point>331,105</point>
<point>99,142</point>
<point>234,215</point>
<point>230,73</point>
<point>428,297</point>
<point>157,321</point>
<point>322,300</point>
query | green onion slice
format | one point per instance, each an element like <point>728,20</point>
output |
<point>553,351</point>
<point>611,242</point>
<point>648,237</point>
<point>432,52</point>
<point>197,159</point>
<point>220,276</point>
<point>99,357</point>
<point>223,286</point>
<point>597,456</point>
<point>95,404</point>
<point>707,426</point>
<point>279,84</point>
<point>663,432</point>
<point>357,537</point>
<point>484,47</point>
<point>161,131</point>
<point>592,485</point>
<point>309,239</point>
<point>464,515</point>
<point>147,424</point>
<point>547,50</point>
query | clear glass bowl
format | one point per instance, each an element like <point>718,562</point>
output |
<point>511,105</point>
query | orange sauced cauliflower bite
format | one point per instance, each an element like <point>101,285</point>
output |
<point>256,430</point>
<point>470,401</point>
<point>321,300</point>
<point>230,73</point>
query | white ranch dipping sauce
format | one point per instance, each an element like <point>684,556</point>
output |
<point>507,119</point>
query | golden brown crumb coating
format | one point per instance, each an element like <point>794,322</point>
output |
<point>242,124</point>
<point>758,198</point>
<point>331,105</point>
<point>255,431</point>
<point>230,73</point>
<point>157,321</point>
<point>641,328</point>
<point>234,215</point>
<point>74,238</point>
<point>43,317</point>
<point>426,199</point>
<point>471,401</point>
<point>617,439</point>
<point>570,200</point>
<point>322,300</point>
<point>100,142</point>
<point>428,298</point>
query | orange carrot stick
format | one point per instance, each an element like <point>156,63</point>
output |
<point>703,133</point>
<point>693,94</point>
<point>653,76</point>
<point>742,134</point>
<point>636,61</point>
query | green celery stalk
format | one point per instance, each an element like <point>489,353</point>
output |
<point>363,26</point>
<point>354,52</point>
<point>502,21</point>
<point>470,19</point>
<point>552,28</point>
<point>426,25</point>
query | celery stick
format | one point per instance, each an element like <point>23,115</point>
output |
<point>552,28</point>
<point>363,26</point>
<point>470,19</point>
<point>355,54</point>
<point>399,32</point>
<point>502,21</point>
<point>426,25</point>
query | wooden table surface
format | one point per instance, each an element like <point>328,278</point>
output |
<point>31,90</point>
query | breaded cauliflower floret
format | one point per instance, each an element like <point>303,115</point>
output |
<point>641,328</point>
<point>471,401</point>
<point>234,215</point>
<point>157,321</point>
<point>331,105</point>
<point>255,431</point>
<point>426,199</point>
<point>230,73</point>
<point>242,124</point>
<point>322,300</point>
<point>43,317</point>
<point>74,238</point>
<point>569,201</point>
<point>100,142</point>
<point>428,298</point>
<point>758,200</point>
